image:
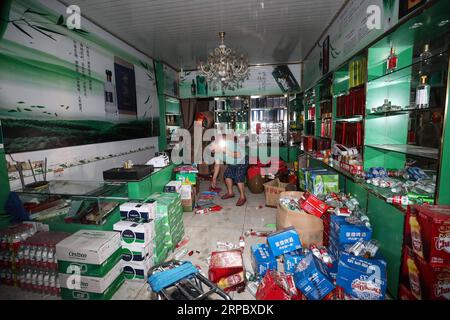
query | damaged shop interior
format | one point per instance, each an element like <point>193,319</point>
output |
<point>224,150</point>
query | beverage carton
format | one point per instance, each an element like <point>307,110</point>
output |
<point>284,241</point>
<point>138,211</point>
<point>137,270</point>
<point>276,286</point>
<point>263,259</point>
<point>88,246</point>
<point>74,294</point>
<point>173,186</point>
<point>321,183</point>
<point>291,260</point>
<point>427,232</point>
<point>132,252</point>
<point>312,278</point>
<point>362,278</point>
<point>312,205</point>
<point>88,283</point>
<point>135,233</point>
<point>347,231</point>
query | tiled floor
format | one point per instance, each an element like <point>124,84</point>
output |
<point>204,232</point>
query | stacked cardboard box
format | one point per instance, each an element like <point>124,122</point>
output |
<point>137,247</point>
<point>168,224</point>
<point>89,265</point>
<point>425,271</point>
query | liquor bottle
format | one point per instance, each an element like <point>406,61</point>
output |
<point>425,56</point>
<point>392,61</point>
<point>423,93</point>
<point>110,100</point>
<point>193,88</point>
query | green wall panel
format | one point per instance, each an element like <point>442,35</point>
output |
<point>162,139</point>
<point>388,224</point>
<point>155,183</point>
<point>444,176</point>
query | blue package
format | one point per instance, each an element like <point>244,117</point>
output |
<point>291,260</point>
<point>284,241</point>
<point>346,232</point>
<point>312,278</point>
<point>362,278</point>
<point>263,259</point>
<point>336,248</point>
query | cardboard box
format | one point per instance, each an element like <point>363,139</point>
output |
<point>186,192</point>
<point>137,270</point>
<point>284,241</point>
<point>427,232</point>
<point>362,278</point>
<point>321,183</point>
<point>291,260</point>
<point>187,178</point>
<point>263,259</point>
<point>68,294</point>
<point>136,252</point>
<point>345,232</point>
<point>309,227</point>
<point>224,264</point>
<point>135,233</point>
<point>88,246</point>
<point>312,278</point>
<point>92,270</point>
<point>138,211</point>
<point>90,284</point>
<point>173,186</point>
<point>423,280</point>
<point>312,205</point>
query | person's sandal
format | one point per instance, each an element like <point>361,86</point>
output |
<point>241,202</point>
<point>227,196</point>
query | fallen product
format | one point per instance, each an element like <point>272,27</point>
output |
<point>263,259</point>
<point>284,241</point>
<point>312,278</point>
<point>277,286</point>
<point>224,264</point>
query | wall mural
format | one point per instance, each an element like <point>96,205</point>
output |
<point>263,80</point>
<point>62,87</point>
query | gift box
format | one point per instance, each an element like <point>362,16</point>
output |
<point>312,205</point>
<point>263,259</point>
<point>321,183</point>
<point>312,278</point>
<point>284,241</point>
<point>427,232</point>
<point>277,286</point>
<point>423,280</point>
<point>362,278</point>
<point>224,264</point>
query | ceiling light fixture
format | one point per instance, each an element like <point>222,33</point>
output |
<point>416,25</point>
<point>443,23</point>
<point>225,67</point>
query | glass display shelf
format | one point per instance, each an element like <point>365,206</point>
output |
<point>435,63</point>
<point>412,150</point>
<point>405,110</point>
<point>80,188</point>
<point>349,119</point>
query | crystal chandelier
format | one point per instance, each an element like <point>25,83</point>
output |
<point>224,66</point>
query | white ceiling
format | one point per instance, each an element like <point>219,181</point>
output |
<point>182,32</point>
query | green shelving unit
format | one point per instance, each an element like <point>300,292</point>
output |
<point>391,138</point>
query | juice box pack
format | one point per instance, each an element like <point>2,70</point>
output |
<point>321,183</point>
<point>346,231</point>
<point>427,232</point>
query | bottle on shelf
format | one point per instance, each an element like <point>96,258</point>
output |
<point>425,56</point>
<point>193,88</point>
<point>423,93</point>
<point>392,60</point>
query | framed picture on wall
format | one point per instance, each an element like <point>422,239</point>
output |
<point>408,6</point>
<point>125,87</point>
